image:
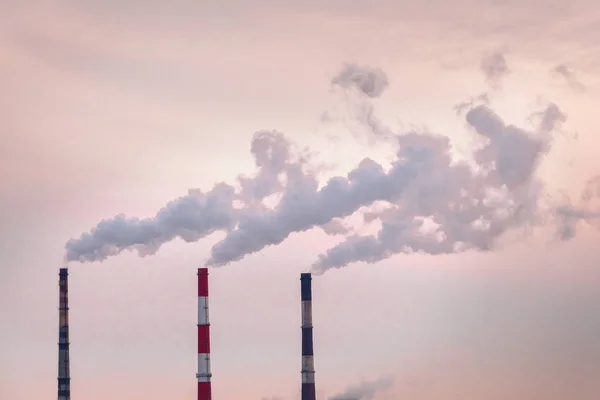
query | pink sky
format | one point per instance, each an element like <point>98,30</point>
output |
<point>120,107</point>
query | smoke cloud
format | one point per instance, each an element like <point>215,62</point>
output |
<point>368,81</point>
<point>446,206</point>
<point>363,391</point>
<point>436,203</point>
<point>336,227</point>
<point>198,214</point>
<point>570,216</point>
<point>494,68</point>
<point>190,218</point>
<point>568,74</point>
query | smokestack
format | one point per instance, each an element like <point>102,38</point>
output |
<point>64,374</point>
<point>308,363</point>
<point>203,375</point>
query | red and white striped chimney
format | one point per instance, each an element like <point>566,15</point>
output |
<point>203,375</point>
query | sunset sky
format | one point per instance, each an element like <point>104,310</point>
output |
<point>119,107</point>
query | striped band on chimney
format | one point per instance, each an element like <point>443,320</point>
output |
<point>308,363</point>
<point>64,373</point>
<point>203,376</point>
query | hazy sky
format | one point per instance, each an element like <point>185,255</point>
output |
<point>112,108</point>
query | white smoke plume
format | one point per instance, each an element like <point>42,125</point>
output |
<point>336,227</point>
<point>190,218</point>
<point>436,204</point>
<point>446,206</point>
<point>495,68</point>
<point>368,81</point>
<point>361,85</point>
<point>364,391</point>
<point>198,214</point>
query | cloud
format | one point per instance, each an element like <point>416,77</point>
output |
<point>196,215</point>
<point>482,98</point>
<point>567,73</point>
<point>272,155</point>
<point>570,216</point>
<point>494,68</point>
<point>190,218</point>
<point>437,204</point>
<point>364,390</point>
<point>366,84</point>
<point>336,227</point>
<point>446,206</point>
<point>513,151</point>
<point>369,81</point>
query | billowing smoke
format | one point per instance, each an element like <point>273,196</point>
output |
<point>368,81</point>
<point>198,214</point>
<point>190,218</point>
<point>367,84</point>
<point>494,68</point>
<point>568,74</point>
<point>336,227</point>
<point>436,203</point>
<point>571,216</point>
<point>363,391</point>
<point>446,206</point>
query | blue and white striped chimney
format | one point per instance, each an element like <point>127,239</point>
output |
<point>308,363</point>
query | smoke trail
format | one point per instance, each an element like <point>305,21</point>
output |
<point>364,390</point>
<point>448,207</point>
<point>366,85</point>
<point>437,204</point>
<point>190,217</point>
<point>196,215</point>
